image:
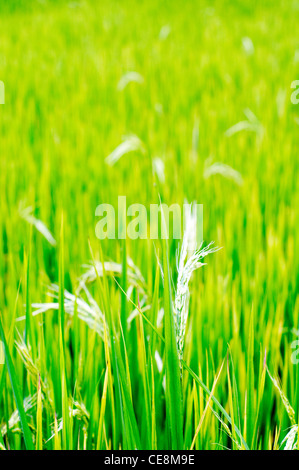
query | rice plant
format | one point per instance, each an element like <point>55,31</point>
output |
<point>138,343</point>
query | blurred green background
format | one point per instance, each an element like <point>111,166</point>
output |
<point>204,66</point>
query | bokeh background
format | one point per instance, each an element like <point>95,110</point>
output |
<point>210,100</point>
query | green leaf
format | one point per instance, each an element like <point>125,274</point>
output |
<point>173,382</point>
<point>16,391</point>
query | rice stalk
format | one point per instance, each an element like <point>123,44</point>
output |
<point>129,77</point>
<point>135,277</point>
<point>27,214</point>
<point>252,124</point>
<point>289,409</point>
<point>28,403</point>
<point>131,143</point>
<point>88,311</point>
<point>290,439</point>
<point>219,168</point>
<point>189,260</point>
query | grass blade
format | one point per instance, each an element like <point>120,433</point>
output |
<point>17,395</point>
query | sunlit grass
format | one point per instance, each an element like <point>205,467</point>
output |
<point>178,100</point>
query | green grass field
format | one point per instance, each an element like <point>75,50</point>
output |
<point>210,101</point>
